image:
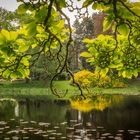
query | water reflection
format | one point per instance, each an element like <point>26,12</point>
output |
<point>111,117</point>
<point>96,102</point>
<point>7,105</point>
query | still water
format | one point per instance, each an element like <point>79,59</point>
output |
<point>102,118</point>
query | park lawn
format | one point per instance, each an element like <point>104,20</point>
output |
<point>40,90</point>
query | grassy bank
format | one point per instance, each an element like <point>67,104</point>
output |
<point>40,90</point>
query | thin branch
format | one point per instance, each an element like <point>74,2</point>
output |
<point>128,8</point>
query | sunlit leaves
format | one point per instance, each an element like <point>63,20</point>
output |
<point>107,23</point>
<point>31,29</point>
<point>104,55</point>
<point>100,51</point>
<point>46,29</point>
<point>13,35</point>
<point>9,36</point>
<point>135,73</point>
<point>6,34</point>
<point>25,61</point>
<point>41,14</point>
<point>87,3</point>
<point>6,73</point>
<point>22,45</point>
<point>85,54</point>
<point>88,41</point>
<point>2,39</point>
<point>123,29</point>
<point>62,3</point>
<point>22,9</point>
<point>23,48</point>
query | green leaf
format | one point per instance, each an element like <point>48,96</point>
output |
<point>20,42</point>
<point>107,23</point>
<point>62,3</point>
<point>88,40</point>
<point>31,29</point>
<point>136,10</point>
<point>85,54</point>
<point>23,48</point>
<point>6,34</point>
<point>22,9</point>
<point>127,74</point>
<point>13,35</point>
<point>25,62</point>
<point>34,46</point>
<point>135,72</point>
<point>60,24</point>
<point>5,50</point>
<point>9,36</point>
<point>13,75</point>
<point>124,74</point>
<point>2,39</point>
<point>41,14</point>
<point>123,29</point>
<point>6,73</point>
<point>104,71</point>
<point>22,71</point>
<point>27,72</point>
<point>94,6</point>
<point>87,3</point>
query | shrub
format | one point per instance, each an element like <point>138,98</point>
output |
<point>102,80</point>
<point>118,84</point>
<point>88,79</point>
<point>84,78</point>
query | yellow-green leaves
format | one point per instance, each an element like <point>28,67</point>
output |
<point>25,61</point>
<point>85,54</point>
<point>136,8</point>
<point>62,3</point>
<point>107,23</point>
<point>60,24</point>
<point>22,45</point>
<point>6,34</point>
<point>41,14</point>
<point>2,39</point>
<point>135,73</point>
<point>31,29</point>
<point>123,29</point>
<point>13,35</point>
<point>9,36</point>
<point>87,3</point>
<point>23,8</point>
<point>88,40</point>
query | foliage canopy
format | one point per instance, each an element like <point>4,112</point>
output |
<point>48,28</point>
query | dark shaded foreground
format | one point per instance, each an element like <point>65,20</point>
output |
<point>40,120</point>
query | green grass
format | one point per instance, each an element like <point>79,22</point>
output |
<point>40,90</point>
<point>20,90</point>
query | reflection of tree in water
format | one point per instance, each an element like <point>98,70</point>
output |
<point>96,102</point>
<point>28,107</point>
<point>9,108</point>
<point>122,113</point>
<point>68,116</point>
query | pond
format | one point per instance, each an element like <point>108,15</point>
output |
<point>104,118</point>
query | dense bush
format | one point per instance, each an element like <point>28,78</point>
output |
<point>84,78</point>
<point>88,79</point>
<point>118,84</point>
